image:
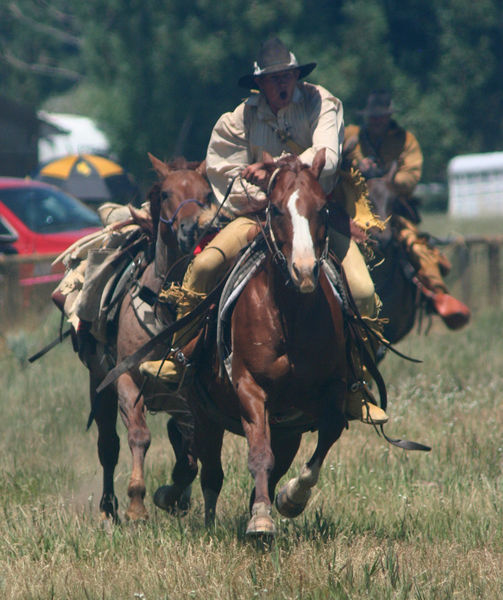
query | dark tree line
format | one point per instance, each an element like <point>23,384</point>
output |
<point>156,74</point>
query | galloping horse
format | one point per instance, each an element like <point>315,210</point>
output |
<point>176,201</point>
<point>289,356</point>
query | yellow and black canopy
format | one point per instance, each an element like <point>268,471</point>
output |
<point>89,177</point>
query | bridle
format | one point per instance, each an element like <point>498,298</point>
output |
<point>183,203</point>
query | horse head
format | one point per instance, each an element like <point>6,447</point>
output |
<point>177,200</point>
<point>382,196</point>
<point>297,216</point>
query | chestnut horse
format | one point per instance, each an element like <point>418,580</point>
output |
<point>176,201</point>
<point>289,357</point>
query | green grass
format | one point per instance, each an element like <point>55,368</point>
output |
<point>382,523</point>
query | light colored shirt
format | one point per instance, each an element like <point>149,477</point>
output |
<point>313,120</point>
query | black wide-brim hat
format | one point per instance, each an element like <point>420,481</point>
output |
<point>379,104</point>
<point>274,57</point>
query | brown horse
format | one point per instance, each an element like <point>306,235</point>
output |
<point>176,201</point>
<point>289,357</point>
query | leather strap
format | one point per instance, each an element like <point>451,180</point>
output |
<point>131,361</point>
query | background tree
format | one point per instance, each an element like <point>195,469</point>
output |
<point>156,75</point>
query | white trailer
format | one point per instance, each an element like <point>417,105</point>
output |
<point>476,185</point>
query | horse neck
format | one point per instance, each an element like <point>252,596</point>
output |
<point>295,308</point>
<point>165,254</point>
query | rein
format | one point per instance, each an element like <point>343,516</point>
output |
<point>171,221</point>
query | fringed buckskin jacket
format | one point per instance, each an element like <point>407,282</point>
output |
<point>397,145</point>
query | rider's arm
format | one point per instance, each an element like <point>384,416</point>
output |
<point>228,154</point>
<point>410,164</point>
<point>327,129</point>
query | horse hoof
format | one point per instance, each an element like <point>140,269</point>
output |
<point>286,507</point>
<point>136,515</point>
<point>107,523</point>
<point>184,501</point>
<point>169,498</point>
<point>261,526</point>
<point>261,523</point>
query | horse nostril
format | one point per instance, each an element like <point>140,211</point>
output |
<point>316,270</point>
<point>295,270</point>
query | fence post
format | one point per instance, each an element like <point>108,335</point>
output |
<point>10,290</point>
<point>463,257</point>
<point>494,273</point>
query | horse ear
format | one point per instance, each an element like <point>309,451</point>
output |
<point>160,167</point>
<point>390,175</point>
<point>201,169</point>
<point>318,163</point>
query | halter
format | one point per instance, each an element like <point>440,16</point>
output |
<point>175,214</point>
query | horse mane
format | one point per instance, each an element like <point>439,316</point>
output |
<point>290,162</point>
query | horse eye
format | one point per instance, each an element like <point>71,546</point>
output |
<point>166,194</point>
<point>275,211</point>
<point>324,213</point>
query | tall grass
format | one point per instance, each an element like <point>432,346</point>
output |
<point>382,523</point>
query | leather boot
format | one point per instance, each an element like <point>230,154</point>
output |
<point>360,402</point>
<point>453,313</point>
<point>361,405</point>
<point>431,265</point>
<point>171,370</point>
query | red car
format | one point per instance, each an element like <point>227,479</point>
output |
<point>41,219</point>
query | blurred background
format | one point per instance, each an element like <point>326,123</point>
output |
<point>116,80</point>
<point>154,76</point>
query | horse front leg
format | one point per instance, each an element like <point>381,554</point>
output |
<point>293,497</point>
<point>176,497</point>
<point>133,416</point>
<point>209,437</point>
<point>255,422</point>
<point>284,448</point>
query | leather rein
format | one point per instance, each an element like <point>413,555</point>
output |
<point>170,222</point>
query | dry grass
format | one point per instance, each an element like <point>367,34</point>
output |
<point>382,523</point>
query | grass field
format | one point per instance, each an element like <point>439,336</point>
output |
<point>382,523</point>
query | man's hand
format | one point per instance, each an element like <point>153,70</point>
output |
<point>256,174</point>
<point>369,168</point>
<point>367,164</point>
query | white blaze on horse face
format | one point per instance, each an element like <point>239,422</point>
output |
<point>303,255</point>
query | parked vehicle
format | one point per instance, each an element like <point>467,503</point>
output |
<point>41,220</point>
<point>7,237</point>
